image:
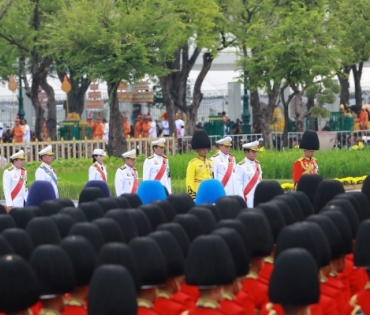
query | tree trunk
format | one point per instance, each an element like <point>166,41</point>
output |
<point>197,94</point>
<point>169,102</point>
<point>116,143</point>
<point>286,103</point>
<point>52,109</point>
<point>176,85</point>
<point>76,97</point>
<point>310,104</point>
<point>357,73</point>
<point>344,85</point>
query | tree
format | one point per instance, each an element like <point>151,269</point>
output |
<point>119,40</point>
<point>352,38</point>
<point>283,45</point>
<point>5,8</point>
<point>20,32</point>
<point>200,35</point>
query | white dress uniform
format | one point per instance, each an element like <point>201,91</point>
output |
<point>245,171</point>
<point>126,180</point>
<point>14,181</point>
<point>180,127</point>
<point>106,132</point>
<point>153,164</point>
<point>221,163</point>
<point>94,174</point>
<point>45,172</point>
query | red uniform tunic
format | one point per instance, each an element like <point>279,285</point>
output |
<point>246,302</point>
<point>75,307</point>
<point>206,307</point>
<point>334,281</point>
<point>165,305</point>
<point>357,278</point>
<point>359,303</point>
<point>303,166</point>
<point>183,299</point>
<point>145,307</point>
<point>333,293</point>
<point>325,307</point>
<point>256,290</point>
<point>265,274</point>
<point>230,306</point>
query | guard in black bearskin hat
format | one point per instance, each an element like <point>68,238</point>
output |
<point>241,258</point>
<point>153,272</point>
<point>112,291</point>
<point>19,288</point>
<point>294,283</point>
<point>308,184</point>
<point>199,168</point>
<point>306,164</point>
<point>55,275</point>
<point>362,259</point>
<point>261,241</point>
<point>175,267</point>
<point>209,266</point>
<point>83,257</point>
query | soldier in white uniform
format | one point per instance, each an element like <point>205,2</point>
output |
<point>249,173</point>
<point>180,125</point>
<point>126,180</point>
<point>156,166</point>
<point>44,171</point>
<point>97,171</point>
<point>224,167</point>
<point>15,182</point>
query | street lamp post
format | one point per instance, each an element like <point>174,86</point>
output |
<point>21,112</point>
<point>246,127</point>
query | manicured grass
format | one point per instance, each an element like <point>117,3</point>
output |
<point>73,173</point>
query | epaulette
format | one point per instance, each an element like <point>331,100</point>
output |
<point>150,157</point>
<point>123,167</point>
<point>192,160</point>
<point>11,168</point>
<point>257,161</point>
<point>164,156</point>
<point>314,159</point>
<point>23,168</point>
<point>300,159</point>
<point>231,154</point>
<point>93,164</point>
<point>241,162</point>
<point>215,155</point>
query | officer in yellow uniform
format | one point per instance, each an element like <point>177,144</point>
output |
<point>199,168</point>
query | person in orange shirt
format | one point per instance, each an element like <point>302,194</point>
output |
<point>91,125</point>
<point>44,131</point>
<point>99,129</point>
<point>363,118</point>
<point>138,126</point>
<point>126,126</point>
<point>306,164</point>
<point>145,127</point>
<point>17,131</point>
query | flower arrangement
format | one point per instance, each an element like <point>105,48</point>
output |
<point>344,181</point>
